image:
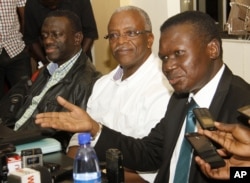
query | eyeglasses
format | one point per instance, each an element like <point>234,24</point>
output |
<point>128,34</point>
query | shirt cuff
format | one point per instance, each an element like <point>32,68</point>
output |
<point>74,139</point>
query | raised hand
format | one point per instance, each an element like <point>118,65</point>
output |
<point>74,120</point>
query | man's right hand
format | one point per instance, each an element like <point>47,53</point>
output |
<point>75,120</point>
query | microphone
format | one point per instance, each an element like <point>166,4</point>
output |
<point>45,174</point>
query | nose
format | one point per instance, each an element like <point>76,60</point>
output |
<point>48,39</point>
<point>169,65</point>
<point>122,38</point>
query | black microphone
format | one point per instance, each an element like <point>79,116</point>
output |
<point>44,173</point>
<point>114,166</point>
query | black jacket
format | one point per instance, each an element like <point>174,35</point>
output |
<point>155,151</point>
<point>76,87</point>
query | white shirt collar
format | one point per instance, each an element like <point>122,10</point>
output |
<point>53,66</point>
<point>119,71</point>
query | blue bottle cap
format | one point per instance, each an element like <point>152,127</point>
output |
<point>84,138</point>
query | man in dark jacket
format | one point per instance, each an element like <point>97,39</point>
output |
<point>70,73</point>
<point>191,53</point>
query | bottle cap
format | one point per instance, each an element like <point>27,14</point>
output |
<point>84,138</point>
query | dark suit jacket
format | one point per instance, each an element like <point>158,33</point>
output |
<point>155,151</point>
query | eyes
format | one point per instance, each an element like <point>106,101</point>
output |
<point>130,34</point>
<point>54,35</point>
<point>175,55</point>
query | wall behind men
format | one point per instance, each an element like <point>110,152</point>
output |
<point>236,56</point>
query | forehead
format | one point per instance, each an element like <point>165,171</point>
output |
<point>177,36</point>
<point>179,32</point>
<point>126,19</point>
<point>49,2</point>
<point>56,22</point>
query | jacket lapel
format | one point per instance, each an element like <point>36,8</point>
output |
<point>221,93</point>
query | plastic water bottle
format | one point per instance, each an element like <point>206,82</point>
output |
<point>86,166</point>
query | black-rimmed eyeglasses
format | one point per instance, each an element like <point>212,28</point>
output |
<point>128,34</point>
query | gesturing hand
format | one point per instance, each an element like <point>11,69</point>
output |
<point>75,120</point>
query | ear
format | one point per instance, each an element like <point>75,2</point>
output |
<point>78,38</point>
<point>150,40</point>
<point>213,48</point>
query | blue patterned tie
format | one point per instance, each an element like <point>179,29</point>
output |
<point>183,164</point>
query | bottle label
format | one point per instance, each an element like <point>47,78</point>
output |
<point>88,181</point>
<point>87,178</point>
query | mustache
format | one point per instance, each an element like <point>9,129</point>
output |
<point>120,47</point>
<point>50,46</point>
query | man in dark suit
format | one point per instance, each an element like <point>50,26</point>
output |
<point>191,53</point>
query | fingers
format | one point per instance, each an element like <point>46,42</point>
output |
<point>219,173</point>
<point>46,119</point>
<point>66,104</point>
<point>56,121</point>
<point>200,130</point>
<point>223,152</point>
<point>216,136</point>
<point>47,115</point>
<point>232,137</point>
<point>225,139</point>
<point>224,127</point>
<point>74,120</point>
<point>51,119</point>
<point>205,167</point>
<point>242,134</point>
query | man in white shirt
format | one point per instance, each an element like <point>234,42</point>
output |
<point>133,97</point>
